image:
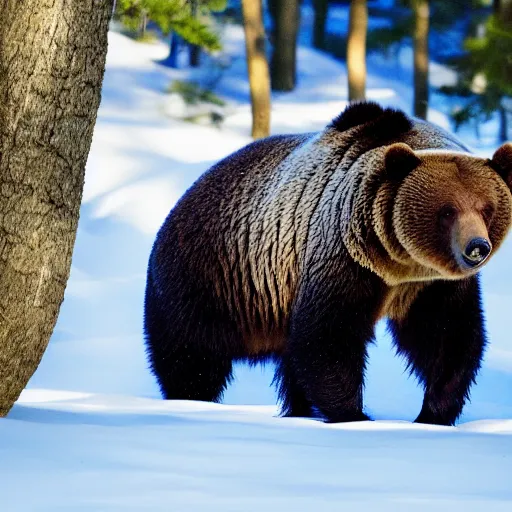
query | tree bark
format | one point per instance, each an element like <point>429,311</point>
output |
<point>321,8</point>
<point>421,57</point>
<point>283,64</point>
<point>52,59</point>
<point>257,66</point>
<point>356,50</point>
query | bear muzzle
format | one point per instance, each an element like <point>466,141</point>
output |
<point>471,246</point>
<point>476,252</point>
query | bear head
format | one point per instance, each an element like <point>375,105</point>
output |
<point>441,211</point>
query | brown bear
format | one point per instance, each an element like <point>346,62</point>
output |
<point>292,248</point>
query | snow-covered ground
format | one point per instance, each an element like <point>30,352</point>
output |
<point>91,432</point>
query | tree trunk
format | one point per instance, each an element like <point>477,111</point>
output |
<point>356,50</point>
<point>321,9</point>
<point>421,28</point>
<point>143,25</point>
<point>503,134</point>
<point>257,66</point>
<point>174,47</point>
<point>504,11</point>
<point>283,64</point>
<point>52,59</point>
<point>195,56</point>
<point>194,50</point>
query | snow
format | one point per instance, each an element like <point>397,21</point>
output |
<point>90,452</point>
<point>90,432</point>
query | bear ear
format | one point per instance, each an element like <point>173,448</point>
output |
<point>502,162</point>
<point>400,160</point>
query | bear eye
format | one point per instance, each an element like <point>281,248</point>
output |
<point>447,215</point>
<point>448,212</point>
<point>488,213</point>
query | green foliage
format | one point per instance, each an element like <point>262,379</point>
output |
<point>485,73</point>
<point>193,93</point>
<point>148,36</point>
<point>187,18</point>
<point>492,55</point>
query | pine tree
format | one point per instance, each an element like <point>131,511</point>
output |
<point>442,15</point>
<point>485,70</point>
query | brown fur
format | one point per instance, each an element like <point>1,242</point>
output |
<point>398,300</point>
<point>294,246</point>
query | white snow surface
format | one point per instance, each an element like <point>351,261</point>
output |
<point>91,431</point>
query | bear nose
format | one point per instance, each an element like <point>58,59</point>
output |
<point>476,252</point>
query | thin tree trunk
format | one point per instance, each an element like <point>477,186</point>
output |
<point>194,49</point>
<point>52,59</point>
<point>143,25</point>
<point>421,57</point>
<point>257,66</point>
<point>174,46</point>
<point>283,63</point>
<point>503,135</point>
<point>503,11</point>
<point>195,55</point>
<point>356,50</point>
<point>321,8</point>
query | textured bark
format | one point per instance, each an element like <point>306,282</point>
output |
<point>257,65</point>
<point>284,60</point>
<point>321,8</point>
<point>52,58</point>
<point>421,28</point>
<point>356,50</point>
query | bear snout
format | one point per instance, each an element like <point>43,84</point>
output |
<point>470,241</point>
<point>476,252</point>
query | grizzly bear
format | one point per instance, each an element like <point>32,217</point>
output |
<point>292,248</point>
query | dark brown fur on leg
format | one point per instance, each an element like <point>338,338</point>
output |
<point>292,396</point>
<point>444,340</point>
<point>329,334</point>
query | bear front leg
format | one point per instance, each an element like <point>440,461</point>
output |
<point>443,339</point>
<point>292,397</point>
<point>331,325</point>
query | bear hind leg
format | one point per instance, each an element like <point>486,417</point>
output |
<point>190,347</point>
<point>193,374</point>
